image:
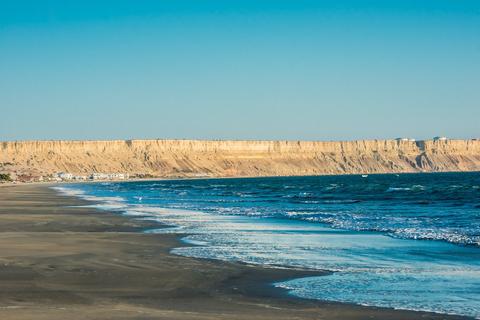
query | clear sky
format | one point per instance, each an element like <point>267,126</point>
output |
<point>227,69</point>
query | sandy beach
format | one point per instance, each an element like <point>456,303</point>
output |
<point>61,261</point>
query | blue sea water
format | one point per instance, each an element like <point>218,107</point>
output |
<point>409,241</point>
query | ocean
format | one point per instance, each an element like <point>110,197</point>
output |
<point>407,241</point>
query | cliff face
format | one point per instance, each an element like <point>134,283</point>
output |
<point>190,158</point>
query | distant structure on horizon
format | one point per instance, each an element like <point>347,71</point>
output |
<point>437,138</point>
<point>406,139</point>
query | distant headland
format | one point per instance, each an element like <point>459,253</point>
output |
<point>124,159</point>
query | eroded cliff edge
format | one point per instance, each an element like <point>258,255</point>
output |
<point>194,158</point>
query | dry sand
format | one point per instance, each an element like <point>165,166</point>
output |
<point>63,262</point>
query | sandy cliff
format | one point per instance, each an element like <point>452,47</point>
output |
<point>173,158</point>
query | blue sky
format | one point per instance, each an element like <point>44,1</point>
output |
<point>315,70</point>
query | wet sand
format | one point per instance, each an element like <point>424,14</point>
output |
<point>58,261</point>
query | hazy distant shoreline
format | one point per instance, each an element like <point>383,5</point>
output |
<point>42,160</point>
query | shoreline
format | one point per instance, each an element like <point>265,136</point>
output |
<point>228,158</point>
<point>53,183</point>
<point>148,279</point>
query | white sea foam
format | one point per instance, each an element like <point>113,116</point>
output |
<point>69,191</point>
<point>106,203</point>
<point>393,189</point>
